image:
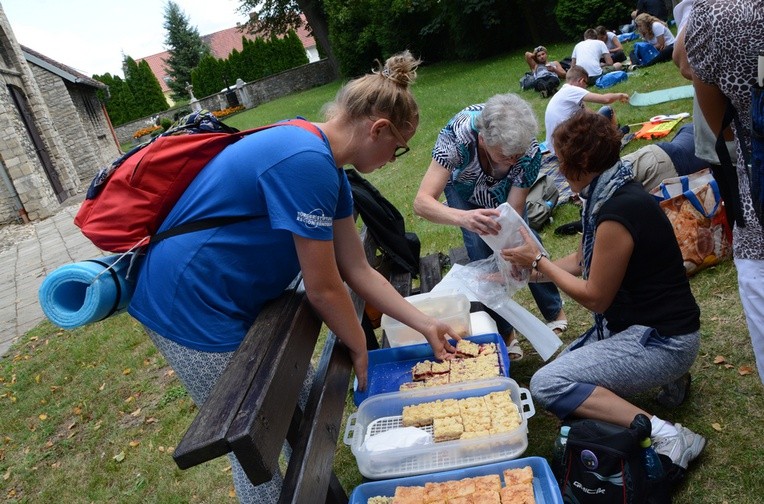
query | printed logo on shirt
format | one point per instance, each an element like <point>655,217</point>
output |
<point>314,219</point>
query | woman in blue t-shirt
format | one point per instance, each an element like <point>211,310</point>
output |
<point>198,293</point>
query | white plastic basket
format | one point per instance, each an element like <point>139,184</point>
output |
<point>383,412</point>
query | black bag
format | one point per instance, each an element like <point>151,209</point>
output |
<point>385,223</point>
<point>546,85</point>
<point>603,464</point>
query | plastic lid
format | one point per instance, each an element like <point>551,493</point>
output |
<point>645,442</point>
<point>564,430</point>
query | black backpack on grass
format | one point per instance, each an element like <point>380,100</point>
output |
<point>603,465</point>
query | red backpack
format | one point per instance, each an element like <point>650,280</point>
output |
<point>128,201</point>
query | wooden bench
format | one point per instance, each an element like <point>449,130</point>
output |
<point>254,406</point>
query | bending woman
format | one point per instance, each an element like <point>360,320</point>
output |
<point>486,155</point>
<point>647,324</point>
<point>198,293</point>
<point>657,33</point>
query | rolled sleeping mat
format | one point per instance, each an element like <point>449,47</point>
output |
<point>88,291</point>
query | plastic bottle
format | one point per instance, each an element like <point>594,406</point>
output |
<point>651,460</point>
<point>558,453</point>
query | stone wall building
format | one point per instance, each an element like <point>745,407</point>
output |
<point>54,132</point>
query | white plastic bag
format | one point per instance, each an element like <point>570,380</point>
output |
<point>494,288</point>
<point>509,236</point>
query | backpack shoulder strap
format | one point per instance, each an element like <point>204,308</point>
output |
<point>212,222</point>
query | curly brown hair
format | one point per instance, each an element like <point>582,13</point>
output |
<point>587,142</point>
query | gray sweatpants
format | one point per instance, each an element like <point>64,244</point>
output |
<point>198,372</point>
<point>627,363</point>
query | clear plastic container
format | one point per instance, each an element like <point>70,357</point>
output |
<point>383,412</point>
<point>453,309</point>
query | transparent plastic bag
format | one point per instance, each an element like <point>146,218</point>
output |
<point>493,283</point>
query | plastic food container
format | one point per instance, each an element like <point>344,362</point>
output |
<point>383,412</point>
<point>545,488</point>
<point>389,368</point>
<point>453,309</point>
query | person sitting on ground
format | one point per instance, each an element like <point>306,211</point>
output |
<point>588,53</point>
<point>487,155</point>
<point>646,331</point>
<point>654,163</point>
<point>197,294</point>
<point>656,33</point>
<point>613,44</point>
<point>570,99</point>
<point>546,74</point>
<point>539,64</point>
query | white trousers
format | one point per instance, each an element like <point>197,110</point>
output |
<point>750,277</point>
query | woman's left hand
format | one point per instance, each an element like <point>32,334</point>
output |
<point>523,255</point>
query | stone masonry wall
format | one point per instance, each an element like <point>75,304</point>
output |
<point>250,94</point>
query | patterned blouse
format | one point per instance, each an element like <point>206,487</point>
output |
<point>720,56</point>
<point>457,150</point>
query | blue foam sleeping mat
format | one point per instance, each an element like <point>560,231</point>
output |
<point>389,368</point>
<point>545,487</point>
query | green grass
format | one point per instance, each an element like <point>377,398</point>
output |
<point>91,415</point>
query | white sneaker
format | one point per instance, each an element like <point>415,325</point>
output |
<point>682,448</point>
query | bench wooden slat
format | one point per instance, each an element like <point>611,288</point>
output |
<point>458,256</point>
<point>309,473</point>
<point>257,432</point>
<point>205,438</point>
<point>430,272</point>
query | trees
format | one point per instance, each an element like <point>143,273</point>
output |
<point>185,46</point>
<point>276,17</point>
<point>137,95</point>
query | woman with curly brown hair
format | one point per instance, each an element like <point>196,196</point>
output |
<point>646,330</point>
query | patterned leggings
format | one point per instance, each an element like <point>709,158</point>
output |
<point>198,372</point>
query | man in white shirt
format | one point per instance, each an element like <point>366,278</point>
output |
<point>588,53</point>
<point>571,97</point>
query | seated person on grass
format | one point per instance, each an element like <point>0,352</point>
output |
<point>570,99</point>
<point>653,163</point>
<point>628,271</point>
<point>613,44</point>
<point>588,53</point>
<point>546,74</point>
<point>539,64</point>
<point>657,33</point>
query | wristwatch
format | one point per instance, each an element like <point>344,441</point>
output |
<point>535,263</point>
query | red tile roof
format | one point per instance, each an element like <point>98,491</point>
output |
<point>221,44</point>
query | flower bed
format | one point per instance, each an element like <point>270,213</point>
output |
<point>227,111</point>
<point>146,131</point>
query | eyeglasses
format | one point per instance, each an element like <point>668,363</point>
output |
<point>399,149</point>
<point>539,49</point>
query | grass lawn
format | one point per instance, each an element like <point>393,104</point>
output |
<point>92,414</point>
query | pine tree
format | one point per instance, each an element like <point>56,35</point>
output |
<point>186,49</point>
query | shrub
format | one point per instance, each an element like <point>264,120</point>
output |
<point>575,16</point>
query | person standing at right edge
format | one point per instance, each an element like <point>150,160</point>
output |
<point>724,66</point>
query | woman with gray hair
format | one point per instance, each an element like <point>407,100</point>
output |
<point>486,155</point>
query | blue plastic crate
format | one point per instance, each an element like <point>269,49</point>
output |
<point>544,486</point>
<point>389,368</point>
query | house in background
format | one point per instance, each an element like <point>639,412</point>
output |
<point>54,131</point>
<point>221,44</point>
